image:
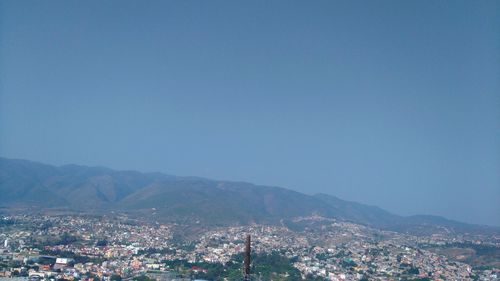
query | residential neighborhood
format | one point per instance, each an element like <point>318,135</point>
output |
<point>80,247</point>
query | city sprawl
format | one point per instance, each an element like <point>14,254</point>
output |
<point>82,247</point>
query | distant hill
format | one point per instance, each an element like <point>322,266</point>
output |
<point>189,199</point>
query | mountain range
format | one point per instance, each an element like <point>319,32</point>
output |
<point>160,197</point>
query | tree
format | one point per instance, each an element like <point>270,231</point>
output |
<point>102,243</point>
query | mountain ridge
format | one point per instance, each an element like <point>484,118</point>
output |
<point>189,199</point>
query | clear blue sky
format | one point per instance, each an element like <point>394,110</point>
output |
<point>390,103</point>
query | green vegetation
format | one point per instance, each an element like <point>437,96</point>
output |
<point>66,239</point>
<point>6,222</point>
<point>102,243</point>
<point>143,278</point>
<point>413,270</point>
<point>271,266</point>
<point>322,256</point>
<point>52,240</point>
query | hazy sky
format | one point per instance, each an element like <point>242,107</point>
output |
<point>390,103</point>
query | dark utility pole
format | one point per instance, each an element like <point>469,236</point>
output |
<point>247,258</point>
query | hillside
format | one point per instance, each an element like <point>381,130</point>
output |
<point>187,199</point>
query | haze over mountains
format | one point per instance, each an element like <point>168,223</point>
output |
<point>189,199</point>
